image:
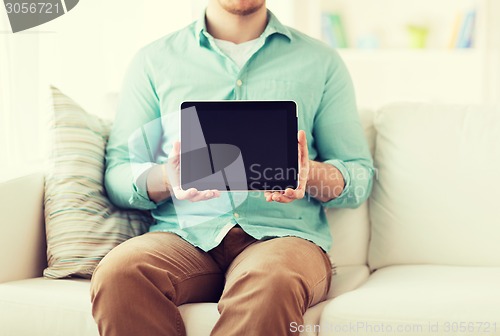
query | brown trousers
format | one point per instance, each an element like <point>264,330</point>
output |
<point>260,286</point>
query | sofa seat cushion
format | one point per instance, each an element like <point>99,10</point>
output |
<point>419,300</point>
<point>43,306</point>
<point>348,278</point>
<point>46,307</point>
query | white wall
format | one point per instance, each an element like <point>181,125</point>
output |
<point>19,95</point>
<point>85,53</point>
<point>95,42</point>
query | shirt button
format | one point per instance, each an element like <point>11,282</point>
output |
<point>236,215</point>
<point>239,82</point>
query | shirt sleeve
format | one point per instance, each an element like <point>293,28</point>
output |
<point>339,138</point>
<point>129,152</point>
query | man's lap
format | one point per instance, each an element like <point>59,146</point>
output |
<point>200,276</point>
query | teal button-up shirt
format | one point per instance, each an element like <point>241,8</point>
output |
<point>187,65</point>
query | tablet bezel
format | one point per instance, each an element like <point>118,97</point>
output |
<point>288,105</point>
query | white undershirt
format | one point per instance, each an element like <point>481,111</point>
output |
<point>239,53</point>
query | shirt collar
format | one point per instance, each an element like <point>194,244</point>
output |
<point>274,26</point>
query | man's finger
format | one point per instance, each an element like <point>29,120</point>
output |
<point>303,140</point>
<point>289,192</point>
<point>185,194</point>
<point>276,196</point>
<point>280,198</point>
<point>268,195</point>
<point>303,158</point>
<point>202,196</point>
<point>295,194</point>
<point>175,151</point>
<point>176,148</point>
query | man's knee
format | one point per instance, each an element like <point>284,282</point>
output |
<point>116,272</point>
<point>279,283</point>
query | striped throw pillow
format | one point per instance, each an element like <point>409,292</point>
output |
<point>82,226</point>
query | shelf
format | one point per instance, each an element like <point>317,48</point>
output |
<point>411,54</point>
<point>394,71</point>
<point>387,21</point>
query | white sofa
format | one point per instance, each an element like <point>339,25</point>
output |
<point>422,257</point>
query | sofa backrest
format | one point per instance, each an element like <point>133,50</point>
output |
<point>350,228</point>
<point>22,242</point>
<point>436,199</point>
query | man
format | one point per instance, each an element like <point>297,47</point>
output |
<point>264,261</point>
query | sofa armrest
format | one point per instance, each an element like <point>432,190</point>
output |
<point>22,235</point>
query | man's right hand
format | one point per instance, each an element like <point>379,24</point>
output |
<point>172,171</point>
<point>163,181</point>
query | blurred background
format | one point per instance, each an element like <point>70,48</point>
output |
<point>396,50</point>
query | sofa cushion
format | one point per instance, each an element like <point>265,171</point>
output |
<point>350,229</point>
<point>62,307</point>
<point>436,197</point>
<point>419,300</point>
<point>347,278</point>
<point>46,307</point>
<point>82,226</point>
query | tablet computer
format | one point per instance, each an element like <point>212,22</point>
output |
<point>239,145</point>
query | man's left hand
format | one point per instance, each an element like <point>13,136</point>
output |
<point>290,195</point>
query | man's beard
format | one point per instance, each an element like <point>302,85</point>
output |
<point>235,6</point>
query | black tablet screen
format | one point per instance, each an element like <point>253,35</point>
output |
<point>239,145</point>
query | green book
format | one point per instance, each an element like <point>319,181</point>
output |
<point>338,30</point>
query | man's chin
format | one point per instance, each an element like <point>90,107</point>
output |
<point>244,12</point>
<point>237,9</point>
